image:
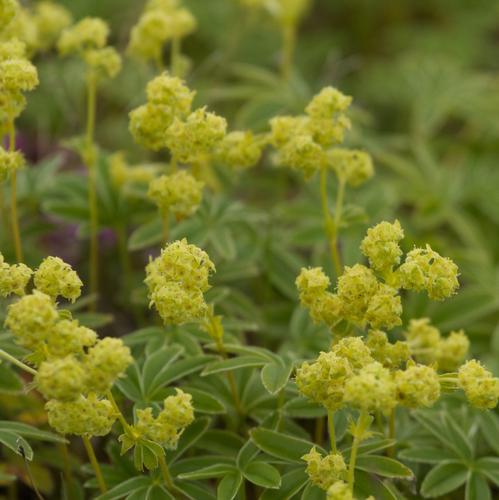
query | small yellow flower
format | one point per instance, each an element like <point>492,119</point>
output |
<point>69,337</point>
<point>324,471</point>
<point>62,379</point>
<point>479,386</point>
<point>339,491</point>
<point>13,279</point>
<point>239,150</point>
<point>86,416</point>
<point>389,355</point>
<point>51,19</point>
<point>88,34</point>
<point>17,75</point>
<point>417,386</point>
<point>55,277</point>
<point>353,165</point>
<point>106,62</point>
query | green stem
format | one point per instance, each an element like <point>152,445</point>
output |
<point>92,188</point>
<point>391,432</point>
<point>95,464</point>
<point>16,233</point>
<point>11,359</point>
<point>360,429</point>
<point>329,223</point>
<point>68,474</point>
<point>175,56</point>
<point>288,49</point>
<point>319,430</point>
<point>332,434</point>
<point>165,220</point>
<point>166,474</point>
<point>126,427</point>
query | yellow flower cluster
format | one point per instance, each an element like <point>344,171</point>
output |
<point>339,491</point>
<point>161,22</point>
<point>239,150</point>
<point>479,386</point>
<point>13,278</point>
<point>37,28</point>
<point>10,161</point>
<point>167,98</point>
<point>177,280</point>
<point>324,471</point>
<point>54,277</point>
<point>75,369</point>
<point>179,193</point>
<point>87,38</point>
<point>361,295</point>
<point>303,142</point>
<point>50,19</point>
<point>354,374</point>
<point>428,346</point>
<point>167,427</point>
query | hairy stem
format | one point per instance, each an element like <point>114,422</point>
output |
<point>332,433</point>
<point>166,474</point>
<point>330,224</point>
<point>92,188</point>
<point>11,359</point>
<point>14,218</point>
<point>95,464</point>
<point>360,428</point>
<point>126,427</point>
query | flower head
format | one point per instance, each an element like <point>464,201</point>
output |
<point>479,386</point>
<point>51,19</point>
<point>324,471</point>
<point>239,150</point>
<point>13,279</point>
<point>417,386</point>
<point>62,379</point>
<point>54,277</point>
<point>88,34</point>
<point>352,165</point>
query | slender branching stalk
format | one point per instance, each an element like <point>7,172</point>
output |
<point>95,464</point>
<point>331,430</point>
<point>11,359</point>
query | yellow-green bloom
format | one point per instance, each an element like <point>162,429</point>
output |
<point>51,19</point>
<point>105,62</point>
<point>423,339</point>
<point>179,193</point>
<point>13,279</point>
<point>239,150</point>
<point>304,154</point>
<point>167,427</point>
<point>381,245</point>
<point>324,471</point>
<point>323,380</point>
<point>31,319</point>
<point>425,269</point>
<point>62,379</point>
<point>417,386</point>
<point>339,491</point>
<point>452,350</point>
<point>12,49</point>
<point>69,337</point>
<point>354,350</point>
<point>17,75</point>
<point>88,34</point>
<point>86,416</point>
<point>371,389</point>
<point>286,128</point>
<point>105,362</point>
<point>199,134</point>
<point>8,10</point>
<point>385,308</point>
<point>479,386</point>
<point>389,355</point>
<point>55,277</point>
<point>353,165</point>
<point>170,91</point>
<point>121,173</point>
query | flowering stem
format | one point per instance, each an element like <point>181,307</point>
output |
<point>165,219</point>
<point>92,188</point>
<point>331,230</point>
<point>126,427</point>
<point>67,466</point>
<point>332,434</point>
<point>319,430</point>
<point>166,474</point>
<point>288,48</point>
<point>95,464</point>
<point>16,234</point>
<point>11,359</point>
<point>175,56</point>
<point>360,428</point>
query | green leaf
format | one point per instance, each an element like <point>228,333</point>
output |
<point>489,425</point>
<point>266,355</point>
<point>275,376</point>
<point>262,474</point>
<point>223,243</point>
<point>16,443</point>
<point>301,407</point>
<point>190,436</point>
<point>489,466</point>
<point>367,484</point>
<point>225,443</point>
<point>147,235</point>
<point>291,483</point>
<point>204,402</point>
<point>477,488</point>
<point>127,487</point>
<point>444,478</point>
<point>281,445</point>
<point>427,455</point>
<point>232,364</point>
<point>312,492</point>
<point>246,454</point>
<point>371,445</point>
<point>383,466</point>
<point>155,365</point>
<point>31,432</point>
<point>212,471</point>
<point>181,369</point>
<point>229,486</point>
<point>7,478</point>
